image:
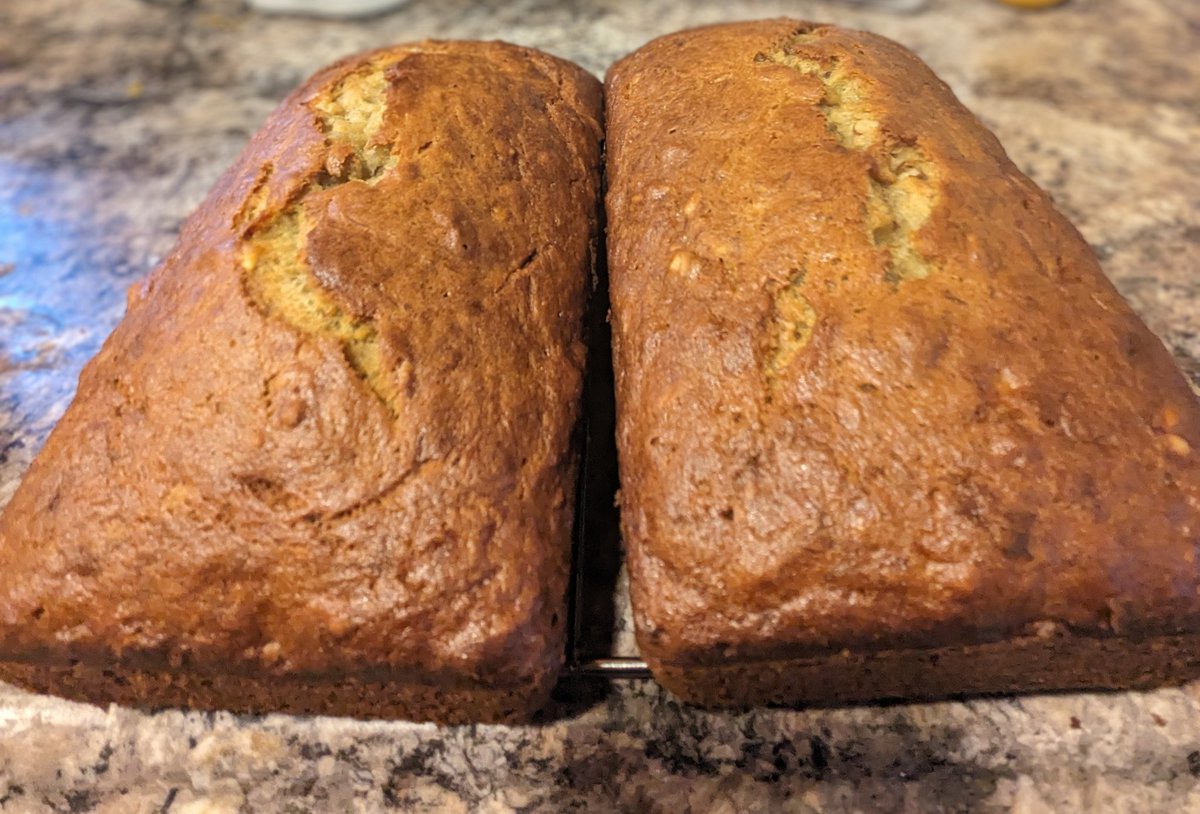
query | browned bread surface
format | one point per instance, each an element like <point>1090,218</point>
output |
<point>874,392</point>
<point>331,441</point>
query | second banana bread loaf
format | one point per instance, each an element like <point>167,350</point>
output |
<point>885,429</point>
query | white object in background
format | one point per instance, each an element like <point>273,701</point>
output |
<point>326,8</point>
<point>892,5</point>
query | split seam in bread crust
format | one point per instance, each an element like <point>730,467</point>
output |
<point>278,277</point>
<point>902,184</point>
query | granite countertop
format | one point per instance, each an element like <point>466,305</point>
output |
<point>117,115</point>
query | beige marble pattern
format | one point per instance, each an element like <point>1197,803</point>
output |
<point>115,118</point>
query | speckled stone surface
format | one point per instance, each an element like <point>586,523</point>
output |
<point>115,118</point>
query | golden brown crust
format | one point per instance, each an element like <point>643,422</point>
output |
<point>332,436</point>
<point>874,392</point>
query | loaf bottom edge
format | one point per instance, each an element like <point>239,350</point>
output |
<point>344,697</point>
<point>1020,665</point>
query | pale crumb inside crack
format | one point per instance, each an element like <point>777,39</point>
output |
<point>277,274</point>
<point>900,199</point>
<point>902,191</point>
<point>844,103</point>
<point>901,195</point>
<point>792,322</point>
<point>352,116</point>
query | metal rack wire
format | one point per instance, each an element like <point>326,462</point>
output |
<point>596,540</point>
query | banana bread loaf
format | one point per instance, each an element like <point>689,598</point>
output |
<point>326,462</point>
<point>885,429</point>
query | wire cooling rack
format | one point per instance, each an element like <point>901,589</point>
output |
<point>596,543</point>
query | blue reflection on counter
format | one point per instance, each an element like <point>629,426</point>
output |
<point>62,281</point>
